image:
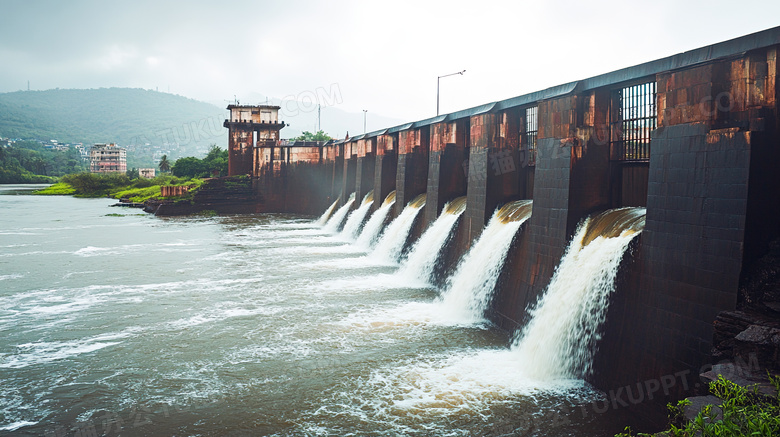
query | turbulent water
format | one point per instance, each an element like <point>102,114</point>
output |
<point>116,322</point>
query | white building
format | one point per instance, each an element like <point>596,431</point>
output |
<point>107,158</point>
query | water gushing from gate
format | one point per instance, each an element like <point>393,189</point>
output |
<point>356,217</point>
<point>562,335</point>
<point>419,264</point>
<point>373,226</point>
<point>392,241</point>
<point>469,290</point>
<point>328,212</point>
<point>335,220</point>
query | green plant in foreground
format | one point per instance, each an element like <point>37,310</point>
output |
<point>58,189</point>
<point>206,213</point>
<point>743,412</point>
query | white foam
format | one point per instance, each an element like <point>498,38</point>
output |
<point>30,354</point>
<point>12,276</point>
<point>381,281</point>
<point>16,425</point>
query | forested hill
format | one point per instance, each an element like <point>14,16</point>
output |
<point>121,115</point>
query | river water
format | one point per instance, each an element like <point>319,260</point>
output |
<point>115,322</point>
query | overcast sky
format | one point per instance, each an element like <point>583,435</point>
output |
<point>383,57</point>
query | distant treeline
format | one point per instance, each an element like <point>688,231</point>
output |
<point>28,162</point>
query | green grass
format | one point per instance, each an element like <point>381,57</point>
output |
<point>119,186</point>
<point>58,189</point>
<point>138,195</point>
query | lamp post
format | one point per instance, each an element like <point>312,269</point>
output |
<point>437,87</point>
<point>364,120</point>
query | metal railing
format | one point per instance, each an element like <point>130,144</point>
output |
<point>531,133</point>
<point>634,117</point>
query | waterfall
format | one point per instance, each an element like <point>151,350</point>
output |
<point>335,220</point>
<point>469,290</point>
<point>356,217</point>
<point>326,215</point>
<point>560,339</point>
<point>419,264</point>
<point>373,226</point>
<point>392,241</point>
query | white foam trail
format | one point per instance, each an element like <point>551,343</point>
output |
<point>335,220</point>
<point>16,425</point>
<point>469,290</point>
<point>355,219</point>
<point>326,215</point>
<point>12,276</point>
<point>368,237</point>
<point>560,338</point>
<point>393,239</point>
<point>44,352</point>
<point>418,265</point>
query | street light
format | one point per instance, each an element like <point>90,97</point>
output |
<point>364,120</point>
<point>437,87</point>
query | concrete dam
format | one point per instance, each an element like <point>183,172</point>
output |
<point>605,221</point>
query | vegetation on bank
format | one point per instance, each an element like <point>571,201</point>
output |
<point>116,185</point>
<point>214,164</point>
<point>29,162</point>
<point>743,412</point>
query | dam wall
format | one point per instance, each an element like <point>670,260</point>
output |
<point>693,138</point>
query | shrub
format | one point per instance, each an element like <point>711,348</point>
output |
<point>743,412</point>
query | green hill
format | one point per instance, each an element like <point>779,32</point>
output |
<point>127,116</point>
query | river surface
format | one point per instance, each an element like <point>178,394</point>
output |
<point>116,322</point>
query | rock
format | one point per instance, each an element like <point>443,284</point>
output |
<point>698,402</point>
<point>729,324</point>
<point>774,306</point>
<point>744,374</point>
<point>761,343</point>
<point>760,335</point>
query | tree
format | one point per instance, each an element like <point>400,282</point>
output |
<point>165,165</point>
<point>308,136</point>
<point>189,167</point>
<point>216,161</point>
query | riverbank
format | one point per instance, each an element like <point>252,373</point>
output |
<point>117,186</point>
<point>165,195</point>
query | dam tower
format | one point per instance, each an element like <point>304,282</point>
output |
<point>253,136</point>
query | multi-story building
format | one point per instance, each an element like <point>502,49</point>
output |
<point>107,158</point>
